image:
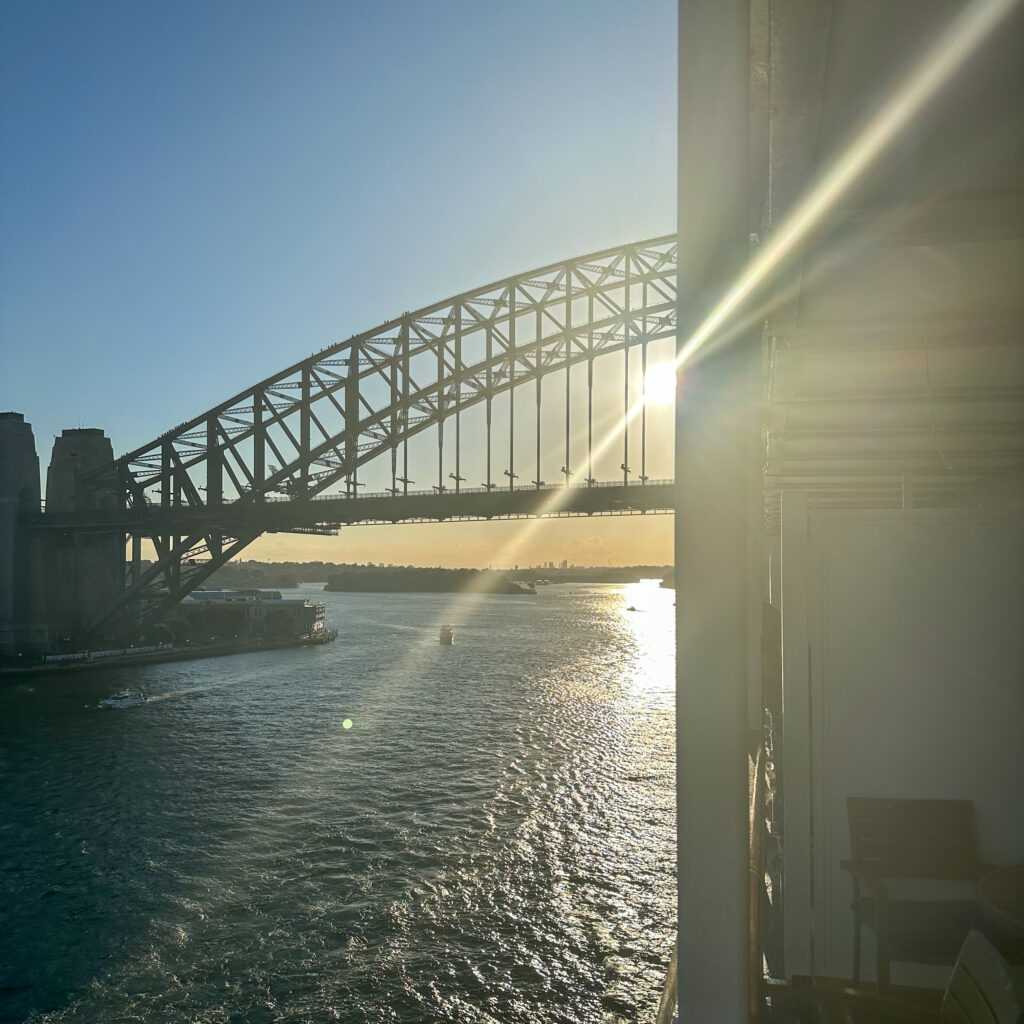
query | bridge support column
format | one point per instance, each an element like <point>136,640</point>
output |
<point>136,562</point>
<point>214,481</point>
<point>22,626</point>
<point>713,507</point>
<point>83,571</point>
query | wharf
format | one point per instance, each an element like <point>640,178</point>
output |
<point>187,653</point>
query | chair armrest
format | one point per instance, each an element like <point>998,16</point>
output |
<point>858,1004</point>
<point>810,1001</point>
<point>873,882</point>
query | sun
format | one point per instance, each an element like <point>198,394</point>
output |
<point>660,384</point>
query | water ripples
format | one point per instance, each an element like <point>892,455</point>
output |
<point>493,840</point>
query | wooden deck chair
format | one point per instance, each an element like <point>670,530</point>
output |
<point>911,839</point>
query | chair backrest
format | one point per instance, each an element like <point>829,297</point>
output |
<point>981,989</point>
<point>914,838</point>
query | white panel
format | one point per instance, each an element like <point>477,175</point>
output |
<point>796,862</point>
<point>917,686</point>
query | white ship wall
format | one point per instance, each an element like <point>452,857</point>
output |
<point>903,676</point>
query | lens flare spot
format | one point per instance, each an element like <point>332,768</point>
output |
<point>347,724</point>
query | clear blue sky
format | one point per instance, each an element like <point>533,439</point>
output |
<point>193,195</point>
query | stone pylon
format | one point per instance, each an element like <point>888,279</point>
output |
<point>84,570</point>
<point>22,614</point>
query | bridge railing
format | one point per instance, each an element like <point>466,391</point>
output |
<point>129,519</point>
<point>497,488</point>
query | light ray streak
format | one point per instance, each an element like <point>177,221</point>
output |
<point>966,33</point>
<point>960,40</point>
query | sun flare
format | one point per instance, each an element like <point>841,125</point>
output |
<point>660,384</point>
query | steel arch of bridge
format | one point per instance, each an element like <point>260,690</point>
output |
<point>315,424</point>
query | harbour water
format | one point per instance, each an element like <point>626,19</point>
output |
<point>381,829</point>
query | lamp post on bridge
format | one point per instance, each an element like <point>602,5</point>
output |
<point>458,480</point>
<point>625,474</point>
<point>512,477</point>
<point>567,473</point>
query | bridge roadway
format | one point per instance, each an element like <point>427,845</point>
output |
<point>322,513</point>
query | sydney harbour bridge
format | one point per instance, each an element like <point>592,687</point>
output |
<point>287,453</point>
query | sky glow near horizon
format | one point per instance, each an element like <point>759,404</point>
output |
<point>194,197</point>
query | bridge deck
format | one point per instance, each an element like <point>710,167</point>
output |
<point>239,517</point>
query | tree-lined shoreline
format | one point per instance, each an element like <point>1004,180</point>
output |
<point>374,577</point>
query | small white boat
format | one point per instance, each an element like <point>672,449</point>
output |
<point>124,699</point>
<point>447,636</point>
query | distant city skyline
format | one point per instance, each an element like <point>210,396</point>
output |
<point>193,198</point>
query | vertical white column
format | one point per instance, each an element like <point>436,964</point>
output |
<point>796,710</point>
<point>713,535</point>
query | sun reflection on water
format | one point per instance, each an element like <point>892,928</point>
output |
<point>495,829</point>
<point>647,611</point>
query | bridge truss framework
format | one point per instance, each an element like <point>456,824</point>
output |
<point>207,488</point>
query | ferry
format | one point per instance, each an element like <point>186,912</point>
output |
<point>124,699</point>
<point>447,636</point>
